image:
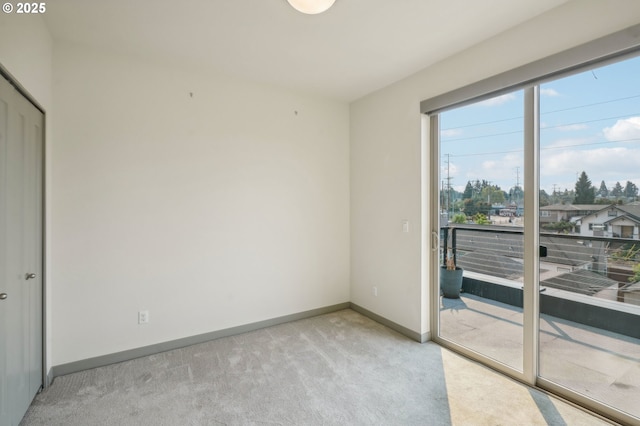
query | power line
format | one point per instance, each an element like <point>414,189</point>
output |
<point>541,149</point>
<point>543,128</point>
<point>545,112</point>
<point>592,104</point>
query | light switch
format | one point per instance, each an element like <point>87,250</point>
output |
<point>405,226</point>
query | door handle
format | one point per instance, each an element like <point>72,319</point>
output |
<point>3,296</point>
<point>434,241</point>
<point>29,276</point>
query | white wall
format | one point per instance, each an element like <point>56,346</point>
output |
<point>226,208</point>
<point>386,145</point>
<point>202,198</point>
<point>26,50</point>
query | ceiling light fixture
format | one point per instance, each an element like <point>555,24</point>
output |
<point>311,7</point>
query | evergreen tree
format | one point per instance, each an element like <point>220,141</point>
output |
<point>468,191</point>
<point>516,194</point>
<point>477,188</point>
<point>630,190</point>
<point>567,196</point>
<point>603,191</point>
<point>617,190</point>
<point>544,198</point>
<point>585,192</point>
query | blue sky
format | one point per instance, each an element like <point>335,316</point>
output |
<point>589,121</point>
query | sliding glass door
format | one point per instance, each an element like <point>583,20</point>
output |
<point>589,219</point>
<point>481,226</point>
<point>539,212</point>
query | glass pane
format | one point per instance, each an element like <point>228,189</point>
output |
<point>589,221</point>
<point>482,206</point>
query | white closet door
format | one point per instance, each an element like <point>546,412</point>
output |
<point>21,144</point>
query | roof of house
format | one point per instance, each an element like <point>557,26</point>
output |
<point>490,264</point>
<point>573,207</point>
<point>580,281</point>
<point>632,209</point>
<point>632,287</point>
<point>623,217</point>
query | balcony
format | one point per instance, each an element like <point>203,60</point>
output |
<point>589,339</point>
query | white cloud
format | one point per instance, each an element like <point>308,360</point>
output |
<point>448,133</point>
<point>569,143</point>
<point>608,164</point>
<point>488,165</point>
<point>571,127</point>
<point>452,170</point>
<point>498,100</point>
<point>549,92</point>
<point>501,171</point>
<point>629,128</point>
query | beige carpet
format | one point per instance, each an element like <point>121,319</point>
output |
<point>335,369</point>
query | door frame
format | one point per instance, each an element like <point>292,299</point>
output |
<point>600,52</point>
<point>4,73</point>
<point>528,375</point>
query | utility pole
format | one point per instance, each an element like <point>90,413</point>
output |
<point>517,186</point>
<point>448,187</point>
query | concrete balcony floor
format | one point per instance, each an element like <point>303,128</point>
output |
<point>602,365</point>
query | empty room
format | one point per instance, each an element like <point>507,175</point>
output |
<point>319,212</point>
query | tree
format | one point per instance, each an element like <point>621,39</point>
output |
<point>493,194</point>
<point>477,187</point>
<point>630,190</point>
<point>617,190</point>
<point>516,194</point>
<point>544,198</point>
<point>562,226</point>
<point>481,219</point>
<point>472,207</point>
<point>468,191</point>
<point>566,197</point>
<point>603,191</point>
<point>459,218</point>
<point>636,274</point>
<point>585,192</point>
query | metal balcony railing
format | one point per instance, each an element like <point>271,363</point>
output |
<point>583,279</point>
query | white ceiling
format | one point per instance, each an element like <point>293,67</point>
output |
<point>357,47</point>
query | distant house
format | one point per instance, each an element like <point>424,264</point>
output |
<point>566,212</point>
<point>614,221</point>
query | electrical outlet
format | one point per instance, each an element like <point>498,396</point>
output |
<point>375,291</point>
<point>143,317</point>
